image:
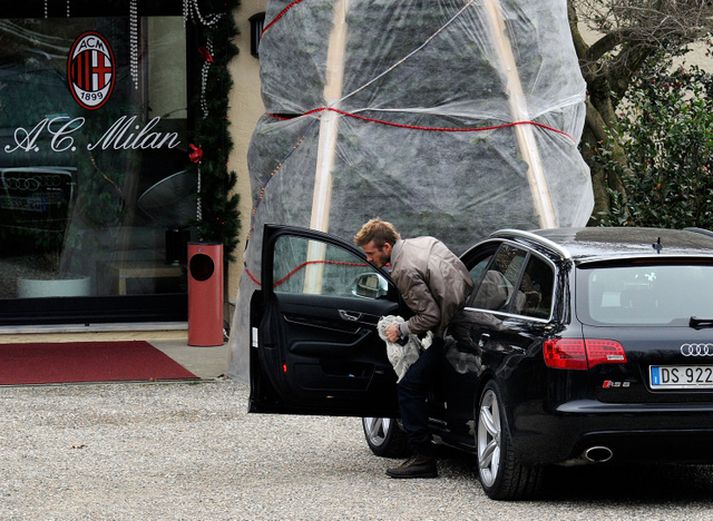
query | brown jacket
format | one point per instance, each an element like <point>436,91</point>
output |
<point>433,282</point>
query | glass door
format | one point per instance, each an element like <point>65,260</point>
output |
<point>96,197</point>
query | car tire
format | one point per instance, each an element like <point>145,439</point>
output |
<point>500,473</point>
<point>385,437</point>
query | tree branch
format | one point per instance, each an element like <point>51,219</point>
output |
<point>627,65</point>
<point>606,43</point>
<point>580,46</point>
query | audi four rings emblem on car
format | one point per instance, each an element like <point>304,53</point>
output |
<point>697,349</point>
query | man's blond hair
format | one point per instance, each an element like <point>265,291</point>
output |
<point>378,231</point>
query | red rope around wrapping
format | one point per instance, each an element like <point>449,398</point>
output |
<point>252,277</point>
<point>304,265</point>
<point>429,129</point>
<point>282,13</point>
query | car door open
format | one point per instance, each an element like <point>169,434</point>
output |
<point>315,349</point>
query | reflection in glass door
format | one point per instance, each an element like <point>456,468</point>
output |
<point>94,184</point>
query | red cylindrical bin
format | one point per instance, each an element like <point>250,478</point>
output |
<point>205,294</point>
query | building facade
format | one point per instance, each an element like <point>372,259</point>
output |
<point>99,106</point>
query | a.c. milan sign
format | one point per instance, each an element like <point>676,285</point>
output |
<point>91,70</point>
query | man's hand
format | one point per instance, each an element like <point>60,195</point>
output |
<point>393,333</point>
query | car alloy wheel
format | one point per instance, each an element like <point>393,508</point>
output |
<point>489,431</point>
<point>502,475</point>
<point>385,437</point>
<point>376,429</point>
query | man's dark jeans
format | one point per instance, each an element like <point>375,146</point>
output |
<point>413,391</point>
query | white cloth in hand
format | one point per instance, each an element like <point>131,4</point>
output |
<point>402,356</point>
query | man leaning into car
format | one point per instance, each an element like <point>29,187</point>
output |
<point>434,284</point>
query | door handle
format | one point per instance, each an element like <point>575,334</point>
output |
<point>483,338</point>
<point>351,316</point>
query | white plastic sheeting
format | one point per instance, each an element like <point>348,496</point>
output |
<point>450,118</point>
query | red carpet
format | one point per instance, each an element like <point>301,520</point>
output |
<point>45,363</point>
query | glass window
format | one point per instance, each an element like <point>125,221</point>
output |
<point>303,266</point>
<point>478,271</point>
<point>94,183</point>
<point>497,288</point>
<point>534,298</point>
<point>644,294</point>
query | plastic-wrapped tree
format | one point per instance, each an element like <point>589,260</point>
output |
<point>450,118</point>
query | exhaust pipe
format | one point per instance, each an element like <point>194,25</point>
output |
<point>598,454</point>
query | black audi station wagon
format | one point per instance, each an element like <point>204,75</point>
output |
<point>591,345</point>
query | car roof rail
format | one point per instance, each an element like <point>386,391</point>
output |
<point>702,231</point>
<point>512,233</point>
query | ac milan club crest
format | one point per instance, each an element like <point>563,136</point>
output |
<point>91,70</point>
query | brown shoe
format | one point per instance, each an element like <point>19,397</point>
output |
<point>415,467</point>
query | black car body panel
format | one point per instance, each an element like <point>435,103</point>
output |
<point>306,359</point>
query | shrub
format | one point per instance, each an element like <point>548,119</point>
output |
<point>666,131</point>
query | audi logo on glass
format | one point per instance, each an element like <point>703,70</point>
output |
<point>697,349</point>
<point>29,184</point>
<point>23,185</point>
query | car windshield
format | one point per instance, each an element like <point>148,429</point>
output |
<point>644,295</point>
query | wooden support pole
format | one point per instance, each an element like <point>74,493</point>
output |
<point>327,147</point>
<point>518,108</point>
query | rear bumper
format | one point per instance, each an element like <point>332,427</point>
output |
<point>632,431</point>
<point>689,446</point>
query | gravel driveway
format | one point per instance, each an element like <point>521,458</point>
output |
<point>190,452</point>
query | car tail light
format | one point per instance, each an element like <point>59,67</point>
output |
<point>604,352</point>
<point>565,353</point>
<point>580,354</point>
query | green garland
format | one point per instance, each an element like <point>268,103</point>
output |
<point>220,216</point>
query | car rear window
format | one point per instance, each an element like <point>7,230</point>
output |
<point>644,294</point>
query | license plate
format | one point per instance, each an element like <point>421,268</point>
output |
<point>681,376</point>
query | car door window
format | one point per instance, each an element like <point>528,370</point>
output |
<point>477,272</point>
<point>534,297</point>
<point>497,289</point>
<point>308,266</point>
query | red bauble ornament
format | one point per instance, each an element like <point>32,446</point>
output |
<point>205,54</point>
<point>196,153</point>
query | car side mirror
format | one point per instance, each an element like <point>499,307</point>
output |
<point>370,285</point>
